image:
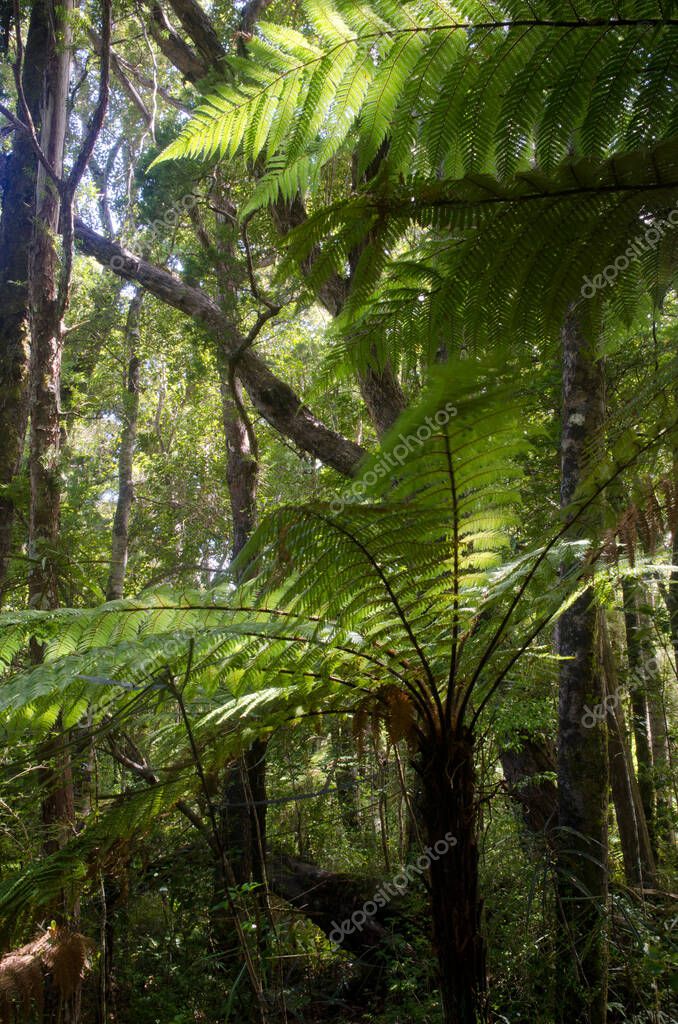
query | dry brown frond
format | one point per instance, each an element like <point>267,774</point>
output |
<point>59,954</point>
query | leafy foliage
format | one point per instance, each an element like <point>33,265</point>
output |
<point>484,88</point>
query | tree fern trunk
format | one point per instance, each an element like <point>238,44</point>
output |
<point>582,750</point>
<point>450,809</point>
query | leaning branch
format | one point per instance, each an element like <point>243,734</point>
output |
<point>273,399</point>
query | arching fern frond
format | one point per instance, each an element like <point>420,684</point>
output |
<point>482,89</point>
<point>490,265</point>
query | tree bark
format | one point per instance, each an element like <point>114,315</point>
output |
<point>379,386</point>
<point>44,290</point>
<point>582,751</point>
<point>661,761</point>
<point>16,223</point>
<point>200,30</point>
<point>639,863</point>
<point>523,769</point>
<point>672,589</point>
<point>450,811</point>
<point>639,654</point>
<point>130,414</point>
<point>173,46</point>
<point>242,467</point>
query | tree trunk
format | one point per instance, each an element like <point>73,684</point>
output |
<point>243,813</point>
<point>661,761</point>
<point>582,751</point>
<point>18,209</point>
<point>672,589</point>
<point>120,539</point>
<point>242,468</point>
<point>46,326</point>
<point>523,770</point>
<point>638,655</point>
<point>450,811</point>
<point>639,863</point>
<point>46,291</point>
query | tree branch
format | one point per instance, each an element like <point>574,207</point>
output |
<point>273,399</point>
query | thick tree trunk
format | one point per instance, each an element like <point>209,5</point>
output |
<point>382,395</point>
<point>130,414</point>
<point>524,769</point>
<point>450,810</point>
<point>46,326</point>
<point>46,291</point>
<point>582,750</point>
<point>243,815</point>
<point>330,899</point>
<point>16,223</point>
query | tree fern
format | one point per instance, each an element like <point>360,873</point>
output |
<point>428,585</point>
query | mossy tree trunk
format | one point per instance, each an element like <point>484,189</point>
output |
<point>16,223</point>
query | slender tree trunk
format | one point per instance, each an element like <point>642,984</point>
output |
<point>244,808</point>
<point>661,760</point>
<point>649,715</point>
<point>114,591</point>
<point>639,654</point>
<point>242,468</point>
<point>450,810</point>
<point>582,751</point>
<point>639,863</point>
<point>672,589</point>
<point>16,223</point>
<point>120,539</point>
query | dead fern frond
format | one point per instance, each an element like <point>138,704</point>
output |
<point>400,719</point>
<point>59,954</point>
